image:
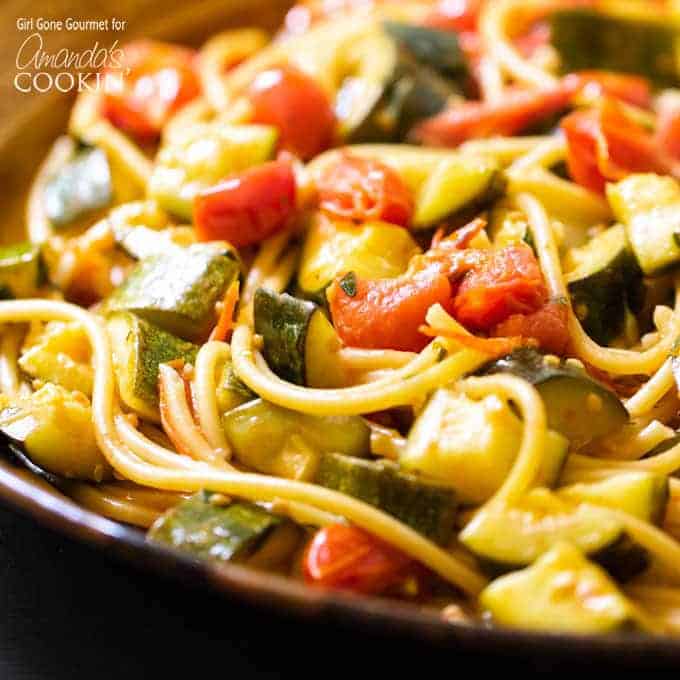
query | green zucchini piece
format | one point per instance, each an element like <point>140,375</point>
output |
<point>299,341</point>
<point>606,276</point>
<point>238,532</point>
<point>178,290</point>
<point>142,242</point>
<point>587,39</point>
<point>139,348</point>
<point>471,445</point>
<point>639,493</point>
<point>561,592</point>
<point>231,391</point>
<point>425,506</point>
<point>577,406</point>
<point>53,427</point>
<point>21,270</point>
<point>649,207</point>
<point>81,187</point>
<point>276,441</point>
<point>204,155</point>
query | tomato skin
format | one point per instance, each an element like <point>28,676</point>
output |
<point>247,208</point>
<point>349,558</point>
<point>631,89</point>
<point>509,282</point>
<point>454,15</point>
<point>297,106</point>
<point>547,326</point>
<point>160,79</point>
<point>362,189</point>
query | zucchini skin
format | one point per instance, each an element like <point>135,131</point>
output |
<point>428,508</point>
<point>22,270</point>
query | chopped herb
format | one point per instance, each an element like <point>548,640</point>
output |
<point>348,283</point>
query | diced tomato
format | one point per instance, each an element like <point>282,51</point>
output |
<point>668,125</point>
<point>537,36</point>
<point>509,282</point>
<point>386,313</point>
<point>349,558</point>
<point>454,15</point>
<point>597,84</point>
<point>297,106</point>
<point>547,326</point>
<point>605,144</point>
<point>363,189</point>
<point>247,208</point>
<point>158,79</point>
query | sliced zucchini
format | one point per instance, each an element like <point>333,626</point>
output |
<point>577,406</point>
<point>142,242</point>
<point>204,155</point>
<point>371,250</point>
<point>178,290</point>
<point>238,532</point>
<point>276,441</point>
<point>21,271</point>
<point>644,44</point>
<point>81,187</point>
<point>53,427</point>
<point>299,341</point>
<point>649,207</point>
<point>639,493</point>
<point>139,348</point>
<point>471,445</point>
<point>427,507</point>
<point>561,592</point>
<point>231,391</point>
<point>605,278</point>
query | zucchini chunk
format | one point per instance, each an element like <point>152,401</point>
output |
<point>606,277</point>
<point>238,532</point>
<point>178,290</point>
<point>642,44</point>
<point>649,207</point>
<point>299,341</point>
<point>561,592</point>
<point>139,348</point>
<point>276,441</point>
<point>639,493</point>
<point>204,155</point>
<point>53,428</point>
<point>21,271</point>
<point>80,188</point>
<point>427,507</point>
<point>567,393</point>
<point>231,391</point>
<point>471,445</point>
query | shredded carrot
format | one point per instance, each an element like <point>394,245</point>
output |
<point>494,347</point>
<point>225,324</point>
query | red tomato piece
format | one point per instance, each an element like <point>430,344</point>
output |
<point>158,79</point>
<point>363,189</point>
<point>668,125</point>
<point>508,282</point>
<point>247,208</point>
<point>297,106</point>
<point>547,326</point>
<point>597,84</point>
<point>454,15</point>
<point>349,558</point>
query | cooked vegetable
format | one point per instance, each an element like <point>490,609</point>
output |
<point>139,348</point>
<point>142,242</point>
<point>53,427</point>
<point>238,532</point>
<point>427,507</point>
<point>179,289</point>
<point>649,206</point>
<point>471,445</point>
<point>204,155</point>
<point>606,278</point>
<point>231,392</point>
<point>299,341</point>
<point>21,270</point>
<point>563,592</point>
<point>567,393</point>
<point>276,441</point>
<point>81,187</point>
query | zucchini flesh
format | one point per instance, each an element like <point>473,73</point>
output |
<point>81,187</point>
<point>276,441</point>
<point>471,445</point>
<point>606,277</point>
<point>139,348</point>
<point>427,507</point>
<point>207,530</point>
<point>178,290</point>
<point>561,592</point>
<point>21,271</point>
<point>231,391</point>
<point>567,392</point>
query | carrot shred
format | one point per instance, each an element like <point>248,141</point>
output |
<point>225,324</point>
<point>492,346</point>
